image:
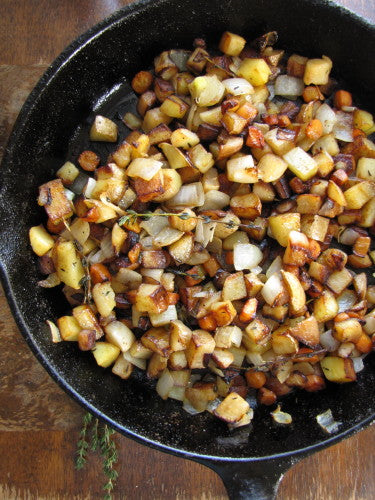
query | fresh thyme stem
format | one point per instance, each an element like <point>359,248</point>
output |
<point>82,445</point>
<point>95,435</point>
<point>109,453</point>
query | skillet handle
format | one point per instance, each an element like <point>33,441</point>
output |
<point>257,480</point>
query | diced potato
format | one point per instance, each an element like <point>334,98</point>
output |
<point>68,173</point>
<point>69,328</point>
<point>280,145</point>
<point>103,129</point>
<point>145,168</point>
<point>174,106</point>
<point>314,226</point>
<point>223,312</point>
<point>325,307</point>
<point>67,263</point>
<point>247,206</point>
<point>366,169</point>
<point>257,333</point>
<point>117,333</point>
<point>242,170</point>
<point>52,197</point>
<point>234,287</point>
<point>306,331</point>
<point>281,225</point>
<point>201,343</point>
<point>153,118</point>
<point>87,319</point>
<point>104,298</point>
<point>317,71</point>
<point>359,194</point>
<point>308,203</point>
<point>156,365</point>
<point>225,336</point>
<point>200,158</point>
<point>151,298</point>
<point>301,163</point>
<point>232,409</point>
<point>164,318</point>
<point>227,226</point>
<point>368,214</point>
<point>177,361</point>
<point>255,71</point>
<point>207,90</point>
<point>339,370</point>
<point>223,358</point>
<point>184,138</point>
<point>182,249</point>
<point>171,182</point>
<point>200,394</point>
<point>363,120</point>
<point>40,240</point>
<point>348,330</point>
<point>175,157</point>
<point>231,44</point>
<point>284,343</point>
<point>295,290</point>
<point>213,116</point>
<point>271,167</point>
<point>319,271</point>
<point>139,351</point>
<point>297,250</point>
<point>338,281</point>
<point>105,353</point>
<point>157,340</point>
<point>180,335</point>
<point>296,65</point>
<point>234,239</point>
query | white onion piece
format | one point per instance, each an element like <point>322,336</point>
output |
<point>204,232</point>
<point>272,288</point>
<point>147,243</point>
<point>275,267</point>
<point>345,349</point>
<point>246,256</point>
<point>289,86</point>
<point>106,247</point>
<point>96,257</point>
<point>212,405</point>
<point>189,196</point>
<point>271,90</point>
<point>236,337</point>
<point>55,332</point>
<point>348,236</point>
<point>327,341</point>
<point>348,109</point>
<point>154,224</point>
<point>281,417</point>
<point>254,358</point>
<point>145,168</point>
<point>138,362</point>
<point>164,318</point>
<point>215,200</point>
<point>256,270</point>
<point>327,423</point>
<point>369,326</point>
<point>80,231</point>
<point>51,281</point>
<point>119,335</point>
<point>343,128</point>
<point>89,188</point>
<point>69,194</point>
<point>346,300</point>
<point>238,86</point>
<point>358,365</point>
<point>328,118</point>
<point>164,384</point>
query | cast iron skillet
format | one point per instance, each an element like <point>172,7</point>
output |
<point>90,76</point>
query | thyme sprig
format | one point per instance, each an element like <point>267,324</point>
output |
<point>102,441</point>
<point>131,217</point>
<point>182,273</point>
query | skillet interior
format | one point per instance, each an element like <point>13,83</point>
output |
<point>91,75</point>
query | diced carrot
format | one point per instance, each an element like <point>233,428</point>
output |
<point>255,138</point>
<point>99,273</point>
<point>314,129</point>
<point>342,98</point>
<point>314,383</point>
<point>88,160</point>
<point>229,258</point>
<point>211,266</point>
<point>197,271</point>
<point>312,93</point>
<point>134,253</point>
<point>266,397</point>
<point>207,323</point>
<point>304,354</point>
<point>172,298</point>
<point>283,121</point>
<point>271,119</point>
<point>255,379</point>
<point>249,310</point>
<point>364,344</point>
<point>247,111</point>
<point>55,228</point>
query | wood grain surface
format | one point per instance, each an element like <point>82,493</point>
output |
<point>39,423</point>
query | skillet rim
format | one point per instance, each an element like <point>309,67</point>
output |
<point>27,109</point>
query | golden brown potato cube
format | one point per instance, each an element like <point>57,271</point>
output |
<point>156,365</point>
<point>159,134</point>
<point>157,340</point>
<point>231,146</point>
<point>366,169</point>
<point>154,117</point>
<point>40,240</point>
<point>87,319</point>
<point>53,198</point>
<point>333,258</point>
<point>247,206</point>
<point>182,249</point>
<point>284,343</point>
<point>319,271</point>
<point>339,280</point>
<point>103,129</point>
<point>296,292</point>
<point>335,193</point>
<point>349,330</point>
<point>234,287</point>
<point>325,307</point>
<point>201,394</point>
<point>164,65</point>
<point>256,332</point>
<point>339,370</point>
<point>231,44</point>
<point>139,351</point>
<point>224,336</point>
<point>271,167</point>
<point>253,284</point>
<point>233,123</point>
<point>229,225</point>
<point>362,246</point>
<point>67,173</point>
<point>105,354</point>
<point>297,250</point>
<point>180,335</point>
<point>278,142</point>
<point>314,226</point>
<point>174,106</point>
<point>308,203</point>
<point>181,82</point>
<point>325,163</point>
<point>255,71</point>
<point>104,298</point>
<point>150,189</point>
<point>359,194</point>
<point>232,409</point>
<point>223,312</point>
<point>307,332</point>
<point>363,120</point>
<point>145,102</point>
<point>151,298</point>
<point>154,259</point>
<point>317,71</point>
<point>265,191</point>
<point>200,158</point>
<point>122,155</point>
<point>177,361</point>
<point>296,65</point>
<point>69,328</point>
<point>197,61</point>
<point>277,313</point>
<point>223,358</point>
<point>122,368</point>
<point>67,263</point>
<point>201,344</point>
<point>281,225</point>
<point>367,218</point>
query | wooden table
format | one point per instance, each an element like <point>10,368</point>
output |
<point>39,423</point>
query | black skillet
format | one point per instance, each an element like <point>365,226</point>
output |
<point>91,75</point>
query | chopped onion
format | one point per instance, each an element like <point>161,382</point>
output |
<point>238,86</point>
<point>55,332</point>
<point>328,342</point>
<point>346,300</point>
<point>272,288</point>
<point>164,384</point>
<point>204,232</point>
<point>69,194</point>
<point>289,86</point>
<point>89,187</point>
<point>212,405</point>
<point>145,168</point>
<point>328,118</point>
<point>167,236</point>
<point>245,420</point>
<point>349,236</point>
<point>236,337</point>
<point>138,362</point>
<point>132,121</point>
<point>271,90</point>
<point>164,318</point>
<point>283,371</point>
<point>189,408</point>
<point>106,247</point>
<point>51,281</point>
<point>96,257</point>
<point>348,109</point>
<point>358,364</point>
<point>256,270</point>
<point>280,417</point>
<point>275,267</point>
<point>369,326</point>
<point>215,200</point>
<point>343,128</point>
<point>327,423</point>
<point>345,349</point>
<point>246,256</point>
<point>180,58</point>
<point>79,183</point>
<point>189,196</point>
<point>154,224</point>
<point>147,243</point>
<point>80,231</point>
<point>255,358</point>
